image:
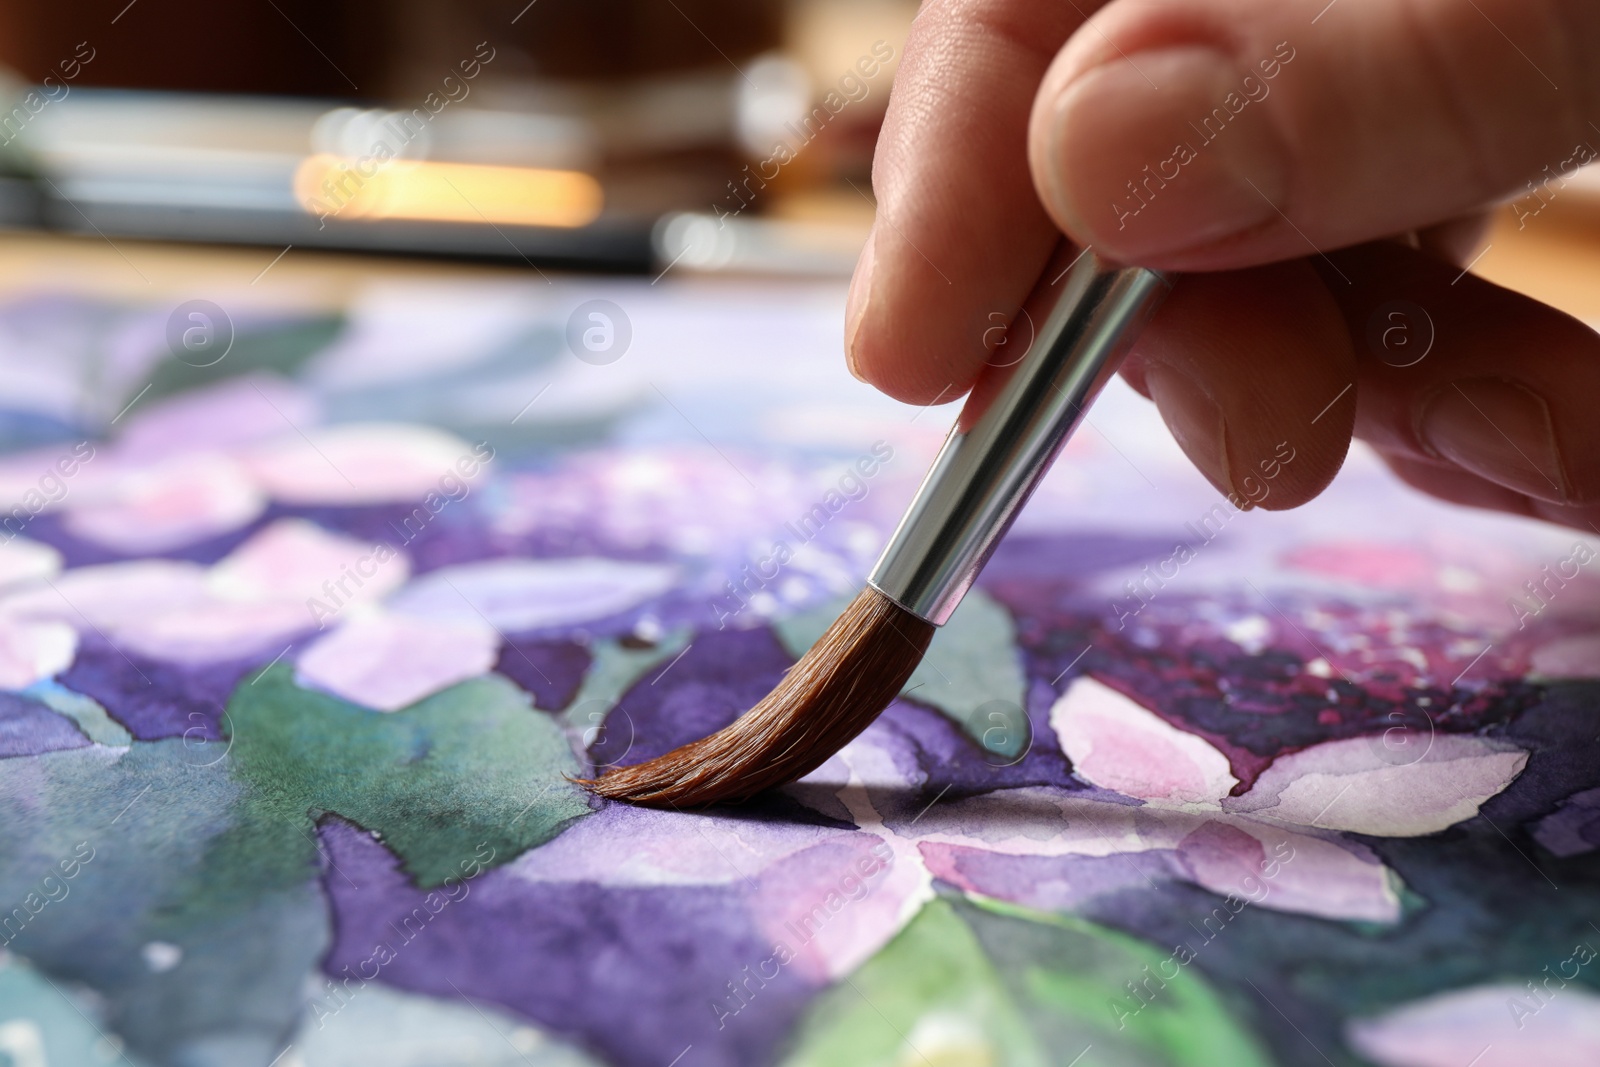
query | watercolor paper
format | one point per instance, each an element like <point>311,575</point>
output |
<point>299,650</point>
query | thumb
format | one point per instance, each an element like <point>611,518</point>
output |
<point>1215,134</point>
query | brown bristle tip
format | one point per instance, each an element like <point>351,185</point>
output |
<point>835,691</point>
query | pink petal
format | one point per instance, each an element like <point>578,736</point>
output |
<point>1281,869</point>
<point>33,651</point>
<point>388,662</point>
<point>837,904</point>
<point>167,505</point>
<point>832,896</point>
<point>233,412</point>
<point>621,845</point>
<point>112,594</point>
<point>1570,657</point>
<point>293,559</point>
<point>34,481</point>
<point>160,608</point>
<point>365,463</point>
<point>1491,1026</point>
<point>1119,745</point>
<point>215,629</point>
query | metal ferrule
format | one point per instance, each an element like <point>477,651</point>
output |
<point>992,461</point>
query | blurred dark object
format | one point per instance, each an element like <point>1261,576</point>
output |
<point>366,49</point>
<point>556,132</point>
<point>589,40</point>
<point>281,47</point>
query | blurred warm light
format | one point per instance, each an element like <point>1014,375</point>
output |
<point>334,187</point>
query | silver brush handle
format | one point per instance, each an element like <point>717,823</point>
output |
<point>993,459</point>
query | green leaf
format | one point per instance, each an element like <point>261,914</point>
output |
<point>1072,975</point>
<point>930,993</point>
<point>470,766</point>
<point>114,852</point>
<point>214,858</point>
<point>972,670</point>
<point>973,981</point>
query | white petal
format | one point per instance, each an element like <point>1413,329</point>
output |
<point>1272,866</point>
<point>22,560</point>
<point>526,594</point>
<point>1368,785</point>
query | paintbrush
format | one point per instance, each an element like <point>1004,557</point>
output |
<point>1016,421</point>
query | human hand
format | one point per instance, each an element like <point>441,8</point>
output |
<point>1276,149</point>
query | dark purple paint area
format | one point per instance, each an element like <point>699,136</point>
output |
<point>1254,706</point>
<point>721,676</point>
<point>631,973</point>
<point>955,762</point>
<point>1563,771</point>
<point>154,698</point>
<point>1574,828</point>
<point>81,552</point>
<point>430,539</point>
<point>47,528</point>
<point>456,533</point>
<point>28,728</point>
<point>551,671</point>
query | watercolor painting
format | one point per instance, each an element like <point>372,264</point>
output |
<point>299,648</point>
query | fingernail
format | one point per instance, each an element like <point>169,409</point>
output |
<point>1195,419</point>
<point>1498,430</point>
<point>1148,171</point>
<point>855,305</point>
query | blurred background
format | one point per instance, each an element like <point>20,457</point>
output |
<point>602,134</point>
<point>711,136</point>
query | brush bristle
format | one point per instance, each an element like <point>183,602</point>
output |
<point>839,686</point>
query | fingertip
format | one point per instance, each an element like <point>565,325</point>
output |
<point>1304,483</point>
